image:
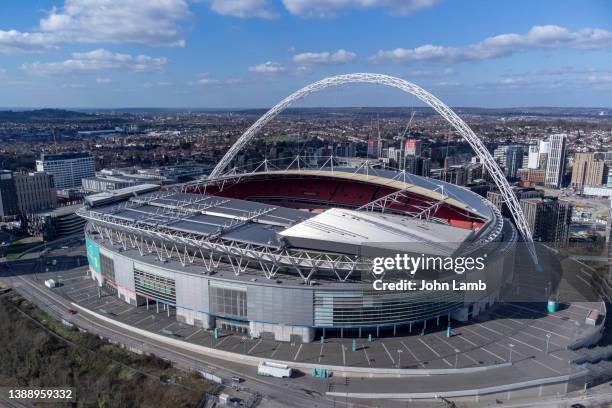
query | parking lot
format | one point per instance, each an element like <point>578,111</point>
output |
<point>511,331</point>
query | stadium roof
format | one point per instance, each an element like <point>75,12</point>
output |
<point>367,234</point>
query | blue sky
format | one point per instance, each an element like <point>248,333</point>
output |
<point>252,53</point>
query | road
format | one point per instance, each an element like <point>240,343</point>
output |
<point>275,392</point>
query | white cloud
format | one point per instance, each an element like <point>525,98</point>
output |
<point>599,79</point>
<point>330,8</point>
<point>16,41</point>
<point>206,80</point>
<point>268,68</point>
<point>156,84</point>
<point>539,37</point>
<point>103,80</point>
<point>151,22</point>
<point>72,86</point>
<point>97,61</point>
<point>244,9</point>
<point>339,57</point>
<point>424,73</point>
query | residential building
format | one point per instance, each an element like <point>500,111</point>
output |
<point>521,193</point>
<point>24,193</point>
<point>455,174</point>
<point>589,169</point>
<point>412,147</point>
<point>35,192</point>
<point>548,219</point>
<point>555,164</point>
<point>8,194</point>
<point>514,160</point>
<point>418,165</point>
<point>67,169</point>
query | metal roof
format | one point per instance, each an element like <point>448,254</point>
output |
<point>357,232</point>
<point>204,215</point>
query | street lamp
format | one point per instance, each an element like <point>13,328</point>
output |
<point>511,348</point>
<point>547,341</point>
<point>399,358</point>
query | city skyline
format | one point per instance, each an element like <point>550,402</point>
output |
<point>235,54</point>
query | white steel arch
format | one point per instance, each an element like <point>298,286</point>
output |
<point>447,113</point>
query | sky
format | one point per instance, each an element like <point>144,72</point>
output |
<point>253,53</point>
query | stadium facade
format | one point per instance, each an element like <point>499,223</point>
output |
<point>288,253</point>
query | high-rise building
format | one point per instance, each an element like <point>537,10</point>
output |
<point>25,193</point>
<point>456,174</point>
<point>521,193</point>
<point>8,195</point>
<point>67,169</point>
<point>510,157</point>
<point>533,160</point>
<point>376,147</point>
<point>555,164</point>
<point>499,154</point>
<point>535,176</point>
<point>412,147</point>
<point>346,149</point>
<point>35,192</point>
<point>514,160</point>
<point>538,155</point>
<point>548,219</point>
<point>610,177</point>
<point>589,170</point>
<point>418,165</point>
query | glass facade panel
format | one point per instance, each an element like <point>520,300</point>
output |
<point>368,308</point>
<point>228,300</point>
<point>155,287</point>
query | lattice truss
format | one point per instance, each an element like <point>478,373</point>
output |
<point>154,235</point>
<point>447,113</point>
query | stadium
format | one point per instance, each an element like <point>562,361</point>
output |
<point>288,252</point>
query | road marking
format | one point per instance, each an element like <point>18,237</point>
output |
<point>166,328</point>
<point>321,352</point>
<point>550,331</point>
<point>513,350</point>
<point>389,354</point>
<point>584,280</point>
<point>504,325</point>
<point>366,355</point>
<point>490,329</point>
<point>125,311</point>
<point>493,354</point>
<point>298,352</point>
<point>343,355</point>
<point>477,334</point>
<point>255,345</point>
<point>142,320</point>
<point>447,343</point>
<point>525,344</point>
<point>429,347</point>
<point>446,361</point>
<point>468,340</point>
<point>412,354</point>
<point>193,334</point>
<point>466,355</point>
<point>546,366</point>
<point>222,340</point>
<point>278,345</point>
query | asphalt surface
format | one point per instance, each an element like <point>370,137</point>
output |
<point>485,343</point>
